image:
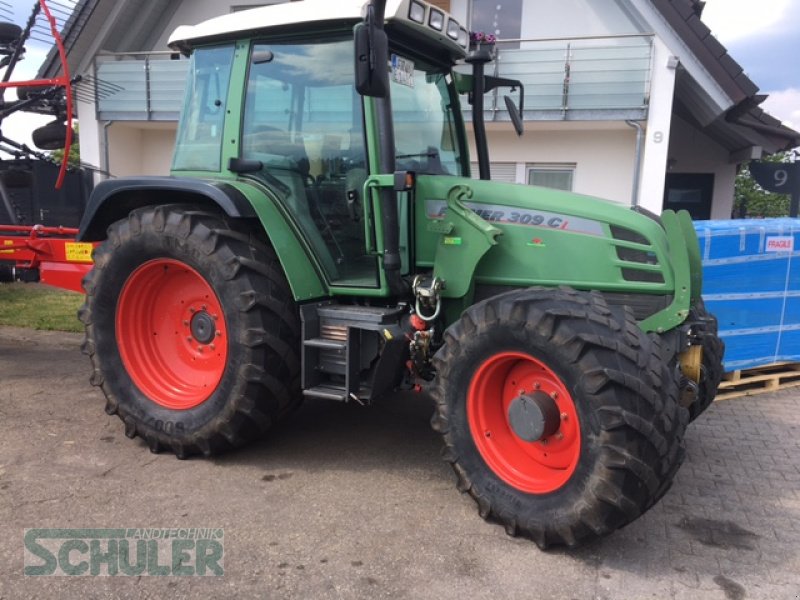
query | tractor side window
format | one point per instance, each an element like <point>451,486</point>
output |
<point>199,145</point>
<point>303,123</point>
<point>426,139</point>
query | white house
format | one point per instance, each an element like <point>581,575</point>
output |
<point>631,100</point>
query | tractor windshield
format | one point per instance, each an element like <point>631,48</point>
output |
<point>426,134</point>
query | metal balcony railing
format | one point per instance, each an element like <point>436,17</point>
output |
<point>143,86</point>
<point>589,78</point>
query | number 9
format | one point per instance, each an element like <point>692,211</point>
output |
<point>781,177</point>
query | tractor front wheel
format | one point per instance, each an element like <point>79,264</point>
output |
<point>558,416</point>
<point>192,330</point>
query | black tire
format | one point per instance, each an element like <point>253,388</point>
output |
<point>26,91</point>
<point>9,33</point>
<point>7,274</point>
<point>711,369</point>
<point>631,426</point>
<point>260,382</point>
<point>52,136</point>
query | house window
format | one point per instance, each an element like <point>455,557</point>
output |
<point>500,171</point>
<point>557,177</point>
<point>502,18</point>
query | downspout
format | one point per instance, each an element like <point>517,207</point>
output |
<point>106,166</point>
<point>637,164</point>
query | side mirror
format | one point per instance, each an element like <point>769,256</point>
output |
<point>372,57</point>
<point>516,116</point>
<point>513,112</point>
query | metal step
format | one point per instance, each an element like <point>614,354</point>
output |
<point>327,392</point>
<point>325,344</point>
<point>360,316</point>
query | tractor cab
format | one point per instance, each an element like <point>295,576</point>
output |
<point>280,105</point>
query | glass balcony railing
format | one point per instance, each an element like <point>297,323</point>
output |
<point>598,78</point>
<point>139,87</point>
<point>593,78</point>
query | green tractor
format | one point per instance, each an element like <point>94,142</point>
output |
<point>321,237</point>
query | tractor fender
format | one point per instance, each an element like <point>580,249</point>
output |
<point>114,199</point>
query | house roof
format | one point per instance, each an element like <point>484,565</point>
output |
<point>117,25</point>
<point>684,16</point>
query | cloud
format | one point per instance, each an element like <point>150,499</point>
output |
<point>785,105</point>
<point>762,38</point>
<point>732,20</point>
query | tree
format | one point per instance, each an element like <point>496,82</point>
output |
<point>74,159</point>
<point>752,201</point>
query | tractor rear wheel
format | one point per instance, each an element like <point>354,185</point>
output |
<point>192,331</point>
<point>558,416</point>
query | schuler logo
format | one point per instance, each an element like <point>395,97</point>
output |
<point>131,552</point>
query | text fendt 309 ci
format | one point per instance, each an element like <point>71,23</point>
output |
<point>320,237</point>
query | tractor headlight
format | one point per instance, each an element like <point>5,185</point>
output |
<point>463,38</point>
<point>452,29</point>
<point>436,20</point>
<point>416,12</point>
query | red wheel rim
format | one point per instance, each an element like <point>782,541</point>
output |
<point>536,467</point>
<point>171,334</point>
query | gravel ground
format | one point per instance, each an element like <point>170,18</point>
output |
<point>350,502</point>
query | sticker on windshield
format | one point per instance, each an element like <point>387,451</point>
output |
<point>402,70</point>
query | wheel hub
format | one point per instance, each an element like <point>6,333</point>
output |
<point>524,422</point>
<point>533,416</point>
<point>202,327</point>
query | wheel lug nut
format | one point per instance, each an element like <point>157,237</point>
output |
<point>559,436</point>
<point>191,309</point>
<point>219,333</point>
<point>204,307</point>
<point>564,416</point>
<point>554,395</point>
<point>213,347</point>
<point>537,385</point>
<point>186,323</point>
<point>189,339</point>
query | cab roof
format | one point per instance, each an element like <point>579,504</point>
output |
<point>281,17</point>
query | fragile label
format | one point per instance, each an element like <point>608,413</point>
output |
<point>780,243</point>
<point>77,252</point>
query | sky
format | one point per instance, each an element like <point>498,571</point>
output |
<point>761,35</point>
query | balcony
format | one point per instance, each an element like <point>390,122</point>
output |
<point>598,78</point>
<point>145,86</point>
<point>593,78</point>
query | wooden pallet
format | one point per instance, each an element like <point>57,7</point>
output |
<point>749,382</point>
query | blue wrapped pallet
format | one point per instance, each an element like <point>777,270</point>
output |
<point>751,282</point>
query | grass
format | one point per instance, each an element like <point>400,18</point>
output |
<point>36,306</point>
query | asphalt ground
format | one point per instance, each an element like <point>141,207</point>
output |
<point>352,502</point>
